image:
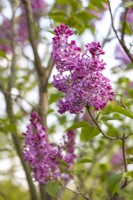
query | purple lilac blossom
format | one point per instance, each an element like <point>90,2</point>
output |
<point>5,36</point>
<point>43,156</point>
<point>79,76</point>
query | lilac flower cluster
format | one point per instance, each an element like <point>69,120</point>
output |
<point>79,76</point>
<point>45,157</point>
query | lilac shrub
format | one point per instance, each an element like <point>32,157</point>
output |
<point>45,157</point>
<point>79,76</point>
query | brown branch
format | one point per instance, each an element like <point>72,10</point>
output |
<point>124,159</point>
<point>43,76</point>
<point>124,25</point>
<point>49,68</point>
<point>116,34</point>
<point>99,128</point>
<point>32,37</point>
<point>9,108</point>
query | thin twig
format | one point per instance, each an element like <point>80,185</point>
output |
<point>17,96</point>
<point>98,127</point>
<point>124,25</point>
<point>124,159</point>
<point>32,38</point>
<point>75,192</point>
<point>108,33</point>
<point>115,31</point>
<point>49,68</point>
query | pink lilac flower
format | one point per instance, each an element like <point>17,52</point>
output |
<point>5,36</point>
<point>79,76</point>
<point>121,55</point>
<point>43,156</point>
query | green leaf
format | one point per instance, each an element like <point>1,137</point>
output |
<point>128,4</point>
<point>84,160</point>
<point>77,125</point>
<point>98,3</point>
<point>88,132</point>
<point>114,183</point>
<point>74,4</point>
<point>52,188</point>
<point>58,16</point>
<point>116,108</point>
<point>126,193</point>
<point>3,55</point>
<point>129,175</point>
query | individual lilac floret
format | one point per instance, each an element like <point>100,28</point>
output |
<point>79,76</point>
<point>45,157</point>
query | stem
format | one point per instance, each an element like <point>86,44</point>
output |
<point>98,127</point>
<point>124,25</point>
<point>124,159</point>
<point>120,41</point>
<point>75,192</point>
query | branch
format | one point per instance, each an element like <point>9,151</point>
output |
<point>120,41</point>
<point>98,127</point>
<point>32,39</point>
<point>9,108</point>
<point>124,25</point>
<point>124,159</point>
<point>49,68</point>
<point>75,192</point>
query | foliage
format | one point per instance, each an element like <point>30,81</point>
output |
<point>98,157</point>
